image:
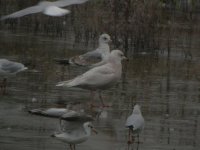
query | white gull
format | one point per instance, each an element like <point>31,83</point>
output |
<point>100,77</point>
<point>100,54</point>
<point>47,8</point>
<point>9,68</point>
<point>76,136</point>
<point>135,123</point>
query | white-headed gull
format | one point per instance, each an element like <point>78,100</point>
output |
<point>100,54</point>
<point>135,123</point>
<point>76,136</point>
<point>8,68</point>
<point>47,8</point>
<point>100,77</point>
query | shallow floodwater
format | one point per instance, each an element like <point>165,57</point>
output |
<point>167,88</point>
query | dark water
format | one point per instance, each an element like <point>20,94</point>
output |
<point>165,85</point>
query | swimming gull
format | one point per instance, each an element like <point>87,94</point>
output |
<point>100,77</point>
<point>91,57</point>
<point>76,136</point>
<point>52,112</point>
<point>135,123</point>
<point>47,8</point>
<point>8,68</point>
<point>67,114</point>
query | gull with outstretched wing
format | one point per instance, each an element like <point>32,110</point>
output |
<point>47,8</point>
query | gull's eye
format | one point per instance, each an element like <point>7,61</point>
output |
<point>105,38</point>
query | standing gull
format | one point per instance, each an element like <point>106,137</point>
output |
<point>101,53</point>
<point>77,136</point>
<point>8,68</point>
<point>100,77</point>
<point>47,8</point>
<point>135,123</point>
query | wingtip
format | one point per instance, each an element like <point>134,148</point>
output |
<point>4,17</point>
<point>60,84</point>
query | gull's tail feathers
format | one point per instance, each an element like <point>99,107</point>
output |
<point>77,60</point>
<point>71,83</point>
<point>71,61</point>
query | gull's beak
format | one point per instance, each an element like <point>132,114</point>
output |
<point>110,41</point>
<point>125,58</point>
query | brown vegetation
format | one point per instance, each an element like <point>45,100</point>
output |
<point>135,25</point>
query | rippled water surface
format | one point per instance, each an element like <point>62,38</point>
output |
<point>166,88</point>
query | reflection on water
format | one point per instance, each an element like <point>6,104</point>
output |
<point>167,89</point>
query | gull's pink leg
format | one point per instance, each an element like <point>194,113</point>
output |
<point>102,102</point>
<point>92,93</point>
<point>100,97</point>
<point>132,137</point>
<point>3,86</point>
<point>138,142</point>
<point>129,135</point>
<point>71,146</point>
<point>138,137</point>
<point>74,147</point>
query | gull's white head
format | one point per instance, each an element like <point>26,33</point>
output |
<point>136,109</point>
<point>87,124</point>
<point>117,55</point>
<point>88,127</point>
<point>104,38</point>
